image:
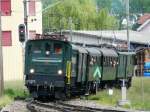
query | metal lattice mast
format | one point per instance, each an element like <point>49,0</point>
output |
<point>127,16</point>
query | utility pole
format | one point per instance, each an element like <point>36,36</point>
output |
<point>124,100</point>
<point>1,58</point>
<point>70,28</point>
<point>127,16</point>
<point>26,18</point>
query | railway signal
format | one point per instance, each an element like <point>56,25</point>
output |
<point>22,33</point>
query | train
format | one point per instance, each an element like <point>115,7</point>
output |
<point>57,68</point>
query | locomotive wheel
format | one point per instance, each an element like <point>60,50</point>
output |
<point>60,95</point>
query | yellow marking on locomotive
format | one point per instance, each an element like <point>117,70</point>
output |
<point>68,71</point>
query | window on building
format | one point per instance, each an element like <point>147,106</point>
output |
<point>6,38</point>
<point>32,9</point>
<point>32,34</point>
<point>6,7</point>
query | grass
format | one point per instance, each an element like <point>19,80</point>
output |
<point>12,90</point>
<point>138,95</point>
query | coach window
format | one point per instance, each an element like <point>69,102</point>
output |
<point>111,61</point>
<point>94,59</point>
<point>97,60</point>
<point>107,61</point>
<point>91,60</point>
<point>104,61</point>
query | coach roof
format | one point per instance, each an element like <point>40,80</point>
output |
<point>108,52</point>
<point>79,48</point>
<point>93,51</point>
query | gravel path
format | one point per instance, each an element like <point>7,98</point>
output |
<point>20,106</point>
<point>93,104</point>
<point>16,106</point>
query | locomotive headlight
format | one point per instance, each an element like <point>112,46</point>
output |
<point>47,52</point>
<point>32,71</point>
<point>59,72</point>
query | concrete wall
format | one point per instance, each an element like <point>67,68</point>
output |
<point>13,55</point>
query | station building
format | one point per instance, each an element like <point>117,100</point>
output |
<point>13,15</point>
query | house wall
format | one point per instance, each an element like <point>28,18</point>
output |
<point>13,55</point>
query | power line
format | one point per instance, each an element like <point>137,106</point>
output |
<point>50,6</point>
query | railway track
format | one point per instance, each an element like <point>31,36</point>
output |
<point>59,106</point>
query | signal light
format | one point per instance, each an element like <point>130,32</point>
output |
<point>22,33</point>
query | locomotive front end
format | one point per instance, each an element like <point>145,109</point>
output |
<point>44,67</point>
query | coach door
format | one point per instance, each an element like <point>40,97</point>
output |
<point>74,67</point>
<point>84,66</point>
<point>82,62</point>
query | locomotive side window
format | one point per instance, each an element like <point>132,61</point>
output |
<point>29,49</point>
<point>57,48</point>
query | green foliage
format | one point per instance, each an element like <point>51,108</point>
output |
<point>104,4</point>
<point>103,97</point>
<point>5,100</point>
<point>83,13</point>
<point>47,2</point>
<point>139,6</point>
<point>15,89</point>
<point>138,96</point>
<point>105,21</point>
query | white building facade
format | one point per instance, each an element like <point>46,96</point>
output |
<point>13,15</point>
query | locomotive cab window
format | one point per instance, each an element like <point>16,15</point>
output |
<point>37,48</point>
<point>47,48</point>
<point>57,48</point>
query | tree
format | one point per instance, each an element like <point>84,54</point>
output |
<point>47,2</point>
<point>139,6</point>
<point>104,4</point>
<point>105,21</point>
<point>83,13</point>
